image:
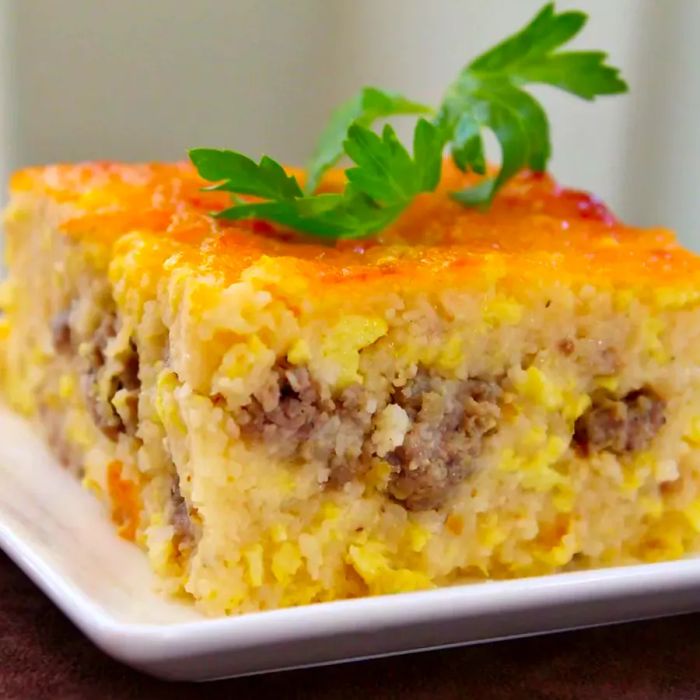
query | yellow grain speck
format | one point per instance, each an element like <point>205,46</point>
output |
<point>451,354</point>
<point>502,310</point>
<point>417,536</point>
<point>329,511</point>
<point>536,386</point>
<point>623,299</point>
<point>66,386</point>
<point>253,557</point>
<point>299,353</point>
<point>651,331</point>
<point>342,344</point>
<point>368,560</point>
<point>611,383</point>
<point>278,533</point>
<point>286,561</point>
<point>692,435</point>
<point>692,512</point>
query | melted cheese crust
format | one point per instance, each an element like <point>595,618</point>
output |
<point>535,232</point>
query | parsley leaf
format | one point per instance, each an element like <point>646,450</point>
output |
<point>384,169</point>
<point>384,178</point>
<point>527,57</point>
<point>241,175</point>
<point>488,94</point>
<point>382,183</point>
<point>369,105</point>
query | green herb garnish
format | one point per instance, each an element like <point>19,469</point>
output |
<point>364,109</point>
<point>384,179</point>
<point>383,182</point>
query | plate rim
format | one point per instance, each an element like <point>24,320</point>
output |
<point>140,643</point>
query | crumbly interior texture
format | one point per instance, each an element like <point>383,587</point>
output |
<point>275,434</point>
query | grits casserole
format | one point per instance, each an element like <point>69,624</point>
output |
<point>467,396</point>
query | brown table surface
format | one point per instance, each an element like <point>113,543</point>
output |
<point>43,656</point>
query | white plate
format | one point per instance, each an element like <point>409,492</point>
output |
<point>59,534</point>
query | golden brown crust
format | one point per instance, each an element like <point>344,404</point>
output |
<point>535,230</point>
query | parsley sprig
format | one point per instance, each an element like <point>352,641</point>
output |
<point>383,182</point>
<point>489,94</point>
<point>384,178</point>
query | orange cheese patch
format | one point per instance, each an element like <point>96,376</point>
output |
<point>125,500</point>
<point>534,231</point>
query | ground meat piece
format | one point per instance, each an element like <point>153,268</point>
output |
<point>450,420</point>
<point>645,417</point>
<point>129,376</point>
<point>287,409</point>
<point>102,380</point>
<point>102,412</point>
<point>127,380</point>
<point>129,412</point>
<point>180,518</point>
<point>620,425</point>
<point>104,333</point>
<point>609,361</point>
<point>600,357</point>
<point>293,418</point>
<point>61,333</point>
<point>53,421</point>
<point>566,346</point>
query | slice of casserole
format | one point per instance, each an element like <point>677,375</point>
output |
<point>470,395</point>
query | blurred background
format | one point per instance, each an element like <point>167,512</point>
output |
<point>136,80</point>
